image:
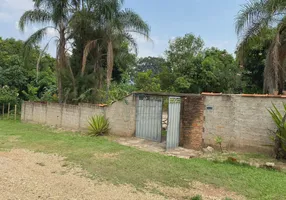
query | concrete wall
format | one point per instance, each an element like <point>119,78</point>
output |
<point>243,122</point>
<point>121,115</point>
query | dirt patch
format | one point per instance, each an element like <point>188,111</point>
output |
<point>107,155</point>
<point>28,175</point>
<point>207,192</point>
<point>152,146</point>
<point>13,138</point>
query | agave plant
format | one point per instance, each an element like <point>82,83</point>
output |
<point>98,126</point>
<point>280,134</point>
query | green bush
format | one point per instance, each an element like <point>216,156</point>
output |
<point>197,197</point>
<point>280,134</point>
<point>98,125</point>
<point>8,95</point>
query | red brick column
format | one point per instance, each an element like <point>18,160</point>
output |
<point>192,121</point>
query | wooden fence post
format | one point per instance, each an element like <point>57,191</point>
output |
<point>15,116</point>
<point>3,110</point>
<point>8,110</point>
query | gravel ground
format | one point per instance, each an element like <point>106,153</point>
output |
<point>27,175</point>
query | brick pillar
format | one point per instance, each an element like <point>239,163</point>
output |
<point>192,121</point>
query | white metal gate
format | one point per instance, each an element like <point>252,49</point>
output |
<point>173,131</point>
<point>149,117</point>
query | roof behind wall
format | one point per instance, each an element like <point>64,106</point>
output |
<point>206,94</point>
<point>166,94</point>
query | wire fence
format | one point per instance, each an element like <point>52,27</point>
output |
<point>9,111</point>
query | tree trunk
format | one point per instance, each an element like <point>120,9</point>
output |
<point>61,61</point>
<point>96,71</point>
<point>110,60</point>
<point>59,83</point>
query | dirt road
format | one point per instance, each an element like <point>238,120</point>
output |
<point>27,175</point>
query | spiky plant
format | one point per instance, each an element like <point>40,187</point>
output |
<point>280,134</point>
<point>98,125</point>
<point>253,17</point>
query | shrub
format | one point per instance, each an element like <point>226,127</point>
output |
<point>8,95</point>
<point>280,134</point>
<point>197,197</point>
<point>218,141</point>
<point>98,125</point>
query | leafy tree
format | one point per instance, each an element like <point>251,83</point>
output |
<point>183,48</point>
<point>144,81</point>
<point>8,95</point>
<point>252,60</point>
<point>14,76</point>
<point>252,19</point>
<point>17,75</point>
<point>183,56</point>
<point>32,92</point>
<point>155,64</point>
<point>194,69</point>
<point>167,79</point>
<point>218,72</point>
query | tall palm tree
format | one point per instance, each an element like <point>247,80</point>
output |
<point>52,14</point>
<point>251,20</point>
<point>116,25</point>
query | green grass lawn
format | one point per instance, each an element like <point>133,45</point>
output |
<point>110,161</point>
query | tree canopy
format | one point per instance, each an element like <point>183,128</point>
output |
<point>17,78</point>
<point>96,59</point>
<point>190,68</point>
<point>253,19</point>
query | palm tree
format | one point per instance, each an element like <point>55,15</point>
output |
<point>253,18</point>
<point>116,25</point>
<point>53,14</point>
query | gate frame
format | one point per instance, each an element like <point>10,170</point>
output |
<point>174,130</point>
<point>163,94</point>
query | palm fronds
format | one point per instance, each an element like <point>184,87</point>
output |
<point>252,19</point>
<point>34,16</point>
<point>88,47</point>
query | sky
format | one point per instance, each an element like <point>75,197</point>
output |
<point>212,20</point>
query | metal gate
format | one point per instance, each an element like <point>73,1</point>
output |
<point>173,132</point>
<point>149,117</point>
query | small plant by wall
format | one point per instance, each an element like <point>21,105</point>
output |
<point>98,126</point>
<point>280,134</point>
<point>218,141</point>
